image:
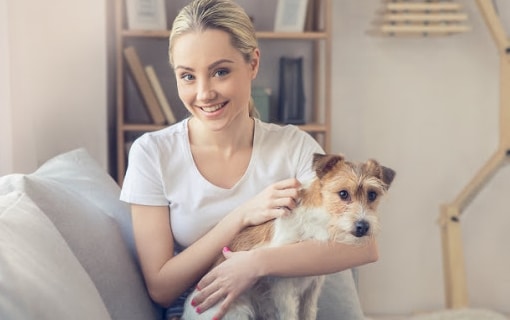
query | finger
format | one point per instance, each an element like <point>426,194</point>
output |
<point>285,203</point>
<point>210,301</point>
<point>288,193</point>
<point>279,212</point>
<point>226,252</point>
<point>225,305</point>
<point>287,183</point>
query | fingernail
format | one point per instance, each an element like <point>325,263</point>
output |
<point>198,310</point>
<point>215,318</point>
<point>193,303</point>
<point>226,249</point>
<point>198,288</point>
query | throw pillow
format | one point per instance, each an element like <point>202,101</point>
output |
<point>40,278</point>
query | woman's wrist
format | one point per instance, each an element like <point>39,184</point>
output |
<point>261,263</point>
<point>235,220</point>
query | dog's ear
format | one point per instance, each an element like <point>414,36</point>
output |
<point>388,175</point>
<point>385,174</point>
<point>323,163</point>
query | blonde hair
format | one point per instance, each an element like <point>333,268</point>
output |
<point>225,15</point>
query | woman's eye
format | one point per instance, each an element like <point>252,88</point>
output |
<point>344,195</point>
<point>221,73</point>
<point>372,195</point>
<point>187,77</point>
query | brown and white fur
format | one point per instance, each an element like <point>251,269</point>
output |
<point>338,205</point>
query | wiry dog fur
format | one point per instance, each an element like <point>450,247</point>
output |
<point>338,205</point>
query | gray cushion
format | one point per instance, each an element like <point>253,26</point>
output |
<point>82,202</point>
<point>40,278</point>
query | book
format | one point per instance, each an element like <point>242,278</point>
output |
<point>291,97</point>
<point>160,94</point>
<point>143,85</point>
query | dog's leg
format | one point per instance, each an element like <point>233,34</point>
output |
<point>241,309</point>
<point>286,299</point>
<point>308,307</point>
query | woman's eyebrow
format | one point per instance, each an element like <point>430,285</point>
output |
<point>216,63</point>
<point>212,66</point>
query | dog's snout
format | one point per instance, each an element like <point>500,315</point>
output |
<point>361,228</point>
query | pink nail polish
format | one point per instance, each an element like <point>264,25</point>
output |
<point>226,249</point>
<point>193,303</point>
<point>198,310</point>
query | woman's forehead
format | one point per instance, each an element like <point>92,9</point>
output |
<point>210,44</point>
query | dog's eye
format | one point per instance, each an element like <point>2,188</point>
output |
<point>344,195</point>
<point>372,195</point>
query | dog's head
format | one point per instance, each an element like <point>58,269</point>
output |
<point>350,192</point>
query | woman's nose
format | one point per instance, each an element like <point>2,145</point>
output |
<point>205,91</point>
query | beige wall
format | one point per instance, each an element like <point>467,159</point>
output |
<point>5,110</point>
<point>428,108</point>
<point>56,80</point>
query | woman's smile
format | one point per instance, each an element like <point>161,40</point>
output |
<point>213,108</point>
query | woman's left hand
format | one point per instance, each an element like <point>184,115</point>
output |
<point>226,282</point>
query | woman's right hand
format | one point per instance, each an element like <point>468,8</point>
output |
<point>275,201</point>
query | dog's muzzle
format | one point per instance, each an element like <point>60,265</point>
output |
<point>361,228</point>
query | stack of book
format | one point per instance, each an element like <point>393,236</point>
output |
<point>149,88</point>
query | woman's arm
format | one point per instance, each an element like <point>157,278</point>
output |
<point>313,257</point>
<point>166,275</point>
<point>242,269</point>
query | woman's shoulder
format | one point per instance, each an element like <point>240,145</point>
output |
<point>273,133</point>
<point>278,130</point>
<point>173,134</point>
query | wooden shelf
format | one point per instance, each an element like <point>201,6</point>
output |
<point>260,35</point>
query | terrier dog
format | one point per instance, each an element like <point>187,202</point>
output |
<point>338,205</point>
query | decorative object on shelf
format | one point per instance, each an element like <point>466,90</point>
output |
<point>143,85</point>
<point>262,99</point>
<point>160,94</point>
<point>291,15</point>
<point>420,18</point>
<point>146,14</point>
<point>291,97</point>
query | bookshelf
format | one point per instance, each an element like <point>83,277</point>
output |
<point>318,76</point>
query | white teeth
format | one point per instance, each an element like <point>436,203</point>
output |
<point>212,108</point>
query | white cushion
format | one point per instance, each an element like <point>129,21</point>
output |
<point>40,278</point>
<point>82,201</point>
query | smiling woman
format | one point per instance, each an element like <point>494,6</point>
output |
<point>195,185</point>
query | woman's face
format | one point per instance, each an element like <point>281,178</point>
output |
<point>213,79</point>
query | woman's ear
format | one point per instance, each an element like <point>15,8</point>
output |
<point>255,62</point>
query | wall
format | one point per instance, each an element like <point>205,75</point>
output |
<point>5,110</point>
<point>56,51</point>
<point>427,107</point>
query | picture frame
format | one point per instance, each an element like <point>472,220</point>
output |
<point>290,15</point>
<point>146,15</point>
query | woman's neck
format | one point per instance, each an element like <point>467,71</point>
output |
<point>237,136</point>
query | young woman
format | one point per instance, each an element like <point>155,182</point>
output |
<point>194,185</point>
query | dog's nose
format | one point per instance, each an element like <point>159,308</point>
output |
<point>361,228</point>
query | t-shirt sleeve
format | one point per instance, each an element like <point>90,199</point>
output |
<point>308,146</point>
<point>143,183</point>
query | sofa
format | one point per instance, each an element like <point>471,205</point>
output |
<point>67,249</point>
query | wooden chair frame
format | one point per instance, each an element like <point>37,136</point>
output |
<point>453,260</point>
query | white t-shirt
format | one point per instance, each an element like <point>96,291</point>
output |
<point>161,171</point>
